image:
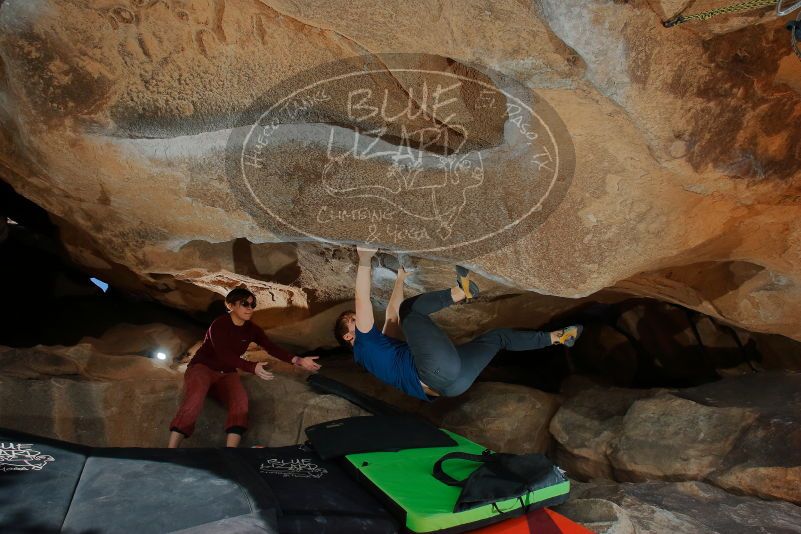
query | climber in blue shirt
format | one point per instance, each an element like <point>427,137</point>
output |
<point>427,364</point>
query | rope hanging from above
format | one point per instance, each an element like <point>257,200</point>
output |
<point>795,34</point>
<point>781,10</point>
<point>734,8</point>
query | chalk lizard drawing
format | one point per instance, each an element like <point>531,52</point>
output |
<point>21,457</point>
<point>437,194</point>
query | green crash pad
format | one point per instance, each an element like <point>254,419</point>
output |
<point>405,479</point>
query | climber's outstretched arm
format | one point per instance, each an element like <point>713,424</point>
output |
<point>392,323</point>
<point>364,308</point>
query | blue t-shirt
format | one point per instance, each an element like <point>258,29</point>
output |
<point>389,360</point>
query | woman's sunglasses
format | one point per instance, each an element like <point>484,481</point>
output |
<point>248,304</point>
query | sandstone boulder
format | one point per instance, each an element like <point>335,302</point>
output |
<point>81,362</point>
<point>682,508</point>
<point>116,120</point>
<point>77,394</point>
<point>740,433</point>
<point>145,340</point>
<point>766,460</point>
<point>670,438</point>
<point>586,426</point>
<point>502,417</point>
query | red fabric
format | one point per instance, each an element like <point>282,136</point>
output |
<point>199,381</point>
<point>567,526</point>
<point>226,342</point>
<point>541,521</point>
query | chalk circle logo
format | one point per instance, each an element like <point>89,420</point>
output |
<point>22,457</point>
<point>293,468</point>
<point>413,153</point>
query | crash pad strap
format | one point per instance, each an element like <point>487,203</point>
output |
<point>362,400</point>
<point>373,433</point>
<point>445,478</point>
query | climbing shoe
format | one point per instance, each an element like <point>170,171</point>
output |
<point>465,284</point>
<point>568,335</point>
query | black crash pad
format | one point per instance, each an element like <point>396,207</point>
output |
<point>315,495</point>
<point>162,490</point>
<point>37,479</point>
<point>52,486</point>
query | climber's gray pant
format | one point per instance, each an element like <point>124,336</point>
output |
<point>447,369</point>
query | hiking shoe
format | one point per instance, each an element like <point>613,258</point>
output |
<point>465,284</point>
<point>568,335</point>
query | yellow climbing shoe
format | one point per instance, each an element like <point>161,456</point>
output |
<point>465,284</point>
<point>568,335</point>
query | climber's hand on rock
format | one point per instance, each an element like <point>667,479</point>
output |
<point>365,253</point>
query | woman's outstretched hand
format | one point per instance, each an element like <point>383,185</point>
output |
<point>262,373</point>
<point>308,363</point>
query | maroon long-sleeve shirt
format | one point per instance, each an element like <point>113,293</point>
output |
<point>226,342</point>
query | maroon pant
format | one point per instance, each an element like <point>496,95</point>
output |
<point>200,380</point>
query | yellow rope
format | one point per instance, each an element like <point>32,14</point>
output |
<point>795,32</point>
<point>734,8</point>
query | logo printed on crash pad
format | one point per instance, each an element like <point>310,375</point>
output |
<point>22,457</point>
<point>293,468</point>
